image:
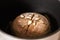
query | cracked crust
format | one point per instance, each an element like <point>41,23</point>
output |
<point>30,25</point>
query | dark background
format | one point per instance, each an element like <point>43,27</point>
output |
<point>10,9</point>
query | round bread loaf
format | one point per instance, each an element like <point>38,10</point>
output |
<point>30,25</point>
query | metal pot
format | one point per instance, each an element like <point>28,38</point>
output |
<point>12,9</point>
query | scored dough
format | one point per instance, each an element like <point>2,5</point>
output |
<point>30,25</point>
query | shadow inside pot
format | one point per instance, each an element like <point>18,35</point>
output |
<point>17,9</point>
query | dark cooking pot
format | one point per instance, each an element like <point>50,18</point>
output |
<point>9,10</point>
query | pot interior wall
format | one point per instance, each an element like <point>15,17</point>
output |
<point>50,8</point>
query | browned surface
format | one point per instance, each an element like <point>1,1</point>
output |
<point>23,29</point>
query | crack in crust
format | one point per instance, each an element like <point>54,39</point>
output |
<point>29,23</point>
